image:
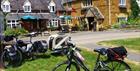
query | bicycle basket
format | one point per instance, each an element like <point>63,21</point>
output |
<point>117,53</point>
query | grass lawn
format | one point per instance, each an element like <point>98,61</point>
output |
<point>47,62</point>
<point>130,43</point>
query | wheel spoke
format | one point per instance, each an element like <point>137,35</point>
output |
<point>65,67</point>
<point>118,66</point>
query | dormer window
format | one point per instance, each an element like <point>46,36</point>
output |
<point>52,6</point>
<point>122,3</point>
<point>27,6</point>
<point>5,5</point>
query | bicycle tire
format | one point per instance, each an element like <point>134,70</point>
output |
<point>115,65</point>
<point>63,68</point>
<point>16,62</point>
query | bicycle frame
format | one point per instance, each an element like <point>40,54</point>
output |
<point>99,63</point>
<point>71,56</point>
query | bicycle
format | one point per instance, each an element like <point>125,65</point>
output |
<point>15,51</point>
<point>75,61</point>
<point>11,56</point>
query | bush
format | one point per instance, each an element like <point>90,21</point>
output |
<point>122,24</point>
<point>135,21</point>
<point>131,23</point>
<point>15,31</point>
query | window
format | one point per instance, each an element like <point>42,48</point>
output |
<point>27,6</point>
<point>52,6</point>
<point>12,23</point>
<point>6,6</point>
<point>86,3</point>
<point>54,22</point>
<point>122,3</point>
<point>120,19</point>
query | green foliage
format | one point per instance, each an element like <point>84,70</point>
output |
<point>132,23</point>
<point>135,9</point>
<point>81,27</point>
<point>15,31</point>
<point>121,24</point>
<point>52,28</point>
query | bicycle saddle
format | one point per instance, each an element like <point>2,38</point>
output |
<point>101,51</point>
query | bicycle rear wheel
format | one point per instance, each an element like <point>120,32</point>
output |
<point>117,65</point>
<point>65,67</point>
<point>7,61</point>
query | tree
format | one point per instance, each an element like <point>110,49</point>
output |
<point>135,9</point>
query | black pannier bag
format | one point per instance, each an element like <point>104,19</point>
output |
<point>40,46</point>
<point>12,52</point>
<point>117,53</point>
<point>8,38</point>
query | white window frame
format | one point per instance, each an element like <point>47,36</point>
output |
<point>122,2</point>
<point>51,8</point>
<point>27,8</point>
<point>54,22</point>
<point>10,23</point>
<point>6,7</point>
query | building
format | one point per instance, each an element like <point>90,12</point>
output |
<point>98,14</point>
<point>32,14</point>
<point>138,2</point>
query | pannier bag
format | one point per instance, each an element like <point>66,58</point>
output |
<point>8,38</point>
<point>12,52</point>
<point>117,53</point>
<point>40,46</point>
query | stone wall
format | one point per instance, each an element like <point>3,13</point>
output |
<point>103,6</point>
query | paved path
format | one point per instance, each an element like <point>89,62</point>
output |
<point>89,39</point>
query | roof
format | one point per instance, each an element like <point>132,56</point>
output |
<point>36,4</point>
<point>66,1</point>
<point>59,6</point>
<point>94,11</point>
<point>13,16</point>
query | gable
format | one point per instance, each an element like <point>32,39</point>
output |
<point>5,2</point>
<point>89,13</point>
<point>94,12</point>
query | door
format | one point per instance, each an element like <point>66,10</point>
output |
<point>90,24</point>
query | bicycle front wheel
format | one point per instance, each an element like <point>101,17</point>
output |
<point>64,66</point>
<point>117,65</point>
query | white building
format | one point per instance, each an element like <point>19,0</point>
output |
<point>138,1</point>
